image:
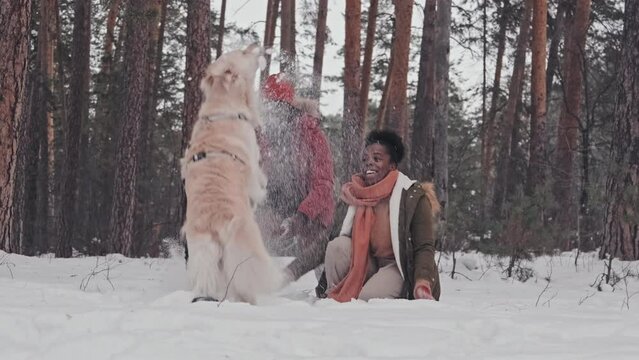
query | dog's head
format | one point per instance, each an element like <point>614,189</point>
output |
<point>233,75</point>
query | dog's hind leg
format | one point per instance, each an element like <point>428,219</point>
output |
<point>249,269</point>
<point>203,266</point>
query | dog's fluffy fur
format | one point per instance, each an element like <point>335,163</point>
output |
<point>227,257</point>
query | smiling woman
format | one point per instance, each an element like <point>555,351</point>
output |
<point>383,152</point>
<point>386,246</point>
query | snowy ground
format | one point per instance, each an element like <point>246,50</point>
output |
<point>119,308</point>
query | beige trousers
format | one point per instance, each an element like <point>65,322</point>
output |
<point>383,280</point>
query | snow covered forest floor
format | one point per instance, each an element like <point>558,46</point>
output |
<point>120,308</point>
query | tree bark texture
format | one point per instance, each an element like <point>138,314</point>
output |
<point>397,111</point>
<point>220,35</point>
<point>558,29</point>
<point>320,42</point>
<point>351,131</point>
<point>15,20</point>
<point>287,38</point>
<point>140,16</point>
<point>198,56</point>
<point>422,144</point>
<point>489,129</point>
<point>272,13</point>
<point>442,51</point>
<point>367,63</point>
<point>621,232</point>
<point>570,118</point>
<point>536,164</point>
<point>77,116</point>
<point>508,117</point>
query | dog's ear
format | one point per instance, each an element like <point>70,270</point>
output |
<point>207,82</point>
<point>229,78</point>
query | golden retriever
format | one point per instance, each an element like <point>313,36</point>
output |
<point>224,183</point>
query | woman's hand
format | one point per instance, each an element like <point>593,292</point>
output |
<point>422,290</point>
<point>292,225</point>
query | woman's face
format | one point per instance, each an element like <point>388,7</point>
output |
<point>376,163</point>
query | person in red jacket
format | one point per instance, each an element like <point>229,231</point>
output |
<point>298,212</point>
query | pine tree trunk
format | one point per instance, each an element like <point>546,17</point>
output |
<point>220,34</point>
<point>397,111</point>
<point>422,144</point>
<point>621,232</point>
<point>144,213</point>
<point>46,163</point>
<point>106,122</point>
<point>569,121</point>
<point>553,52</point>
<point>46,156</point>
<point>15,22</point>
<point>197,59</point>
<point>320,42</point>
<point>78,112</point>
<point>140,16</point>
<point>442,51</point>
<point>489,129</point>
<point>272,13</point>
<point>536,169</point>
<point>287,38</point>
<point>32,191</point>
<point>367,63</point>
<point>508,118</point>
<point>352,134</point>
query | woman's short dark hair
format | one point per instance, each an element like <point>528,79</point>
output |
<point>390,140</point>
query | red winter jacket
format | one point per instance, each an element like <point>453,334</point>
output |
<point>298,162</point>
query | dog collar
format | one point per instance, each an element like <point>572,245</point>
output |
<point>204,154</point>
<point>222,116</point>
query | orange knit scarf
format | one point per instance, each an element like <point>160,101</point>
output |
<point>355,193</point>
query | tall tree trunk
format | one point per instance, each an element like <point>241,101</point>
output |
<point>367,63</point>
<point>287,38</point>
<point>508,117</point>
<point>220,34</point>
<point>198,56</point>
<point>352,134</point>
<point>621,232</point>
<point>145,212</point>
<point>382,119</point>
<point>15,21</point>
<point>397,111</point>
<point>517,164</point>
<point>61,95</point>
<point>442,51</point>
<point>320,42</point>
<point>553,52</point>
<point>46,164</point>
<point>489,129</point>
<point>36,151</point>
<point>272,12</point>
<point>536,169</point>
<point>484,41</point>
<point>106,86</point>
<point>422,144</point>
<point>78,112</point>
<point>140,16</point>
<point>569,120</point>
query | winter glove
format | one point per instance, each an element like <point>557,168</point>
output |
<point>422,290</point>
